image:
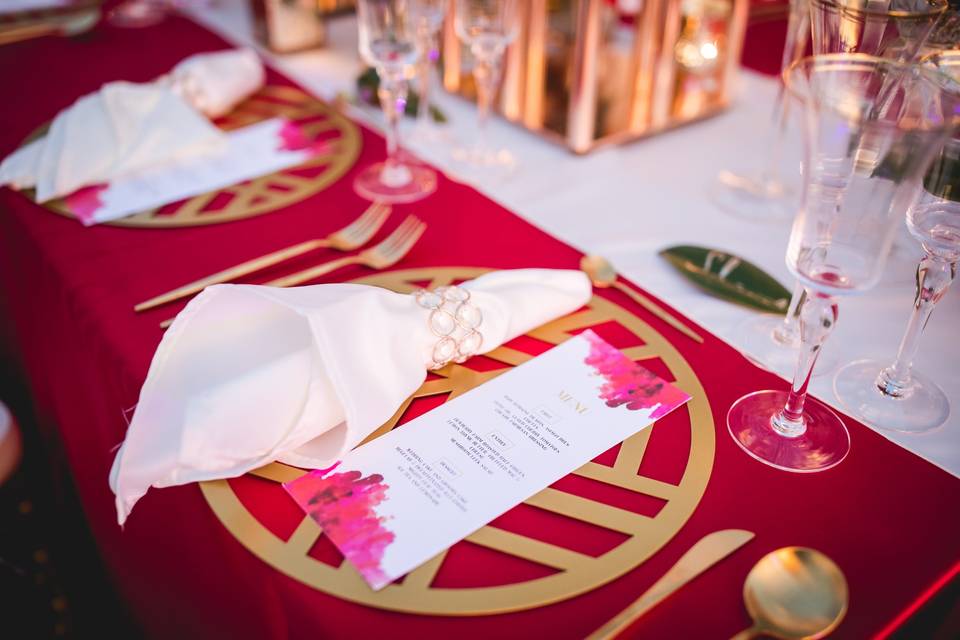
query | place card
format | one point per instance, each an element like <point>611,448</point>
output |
<point>394,503</point>
<point>250,152</point>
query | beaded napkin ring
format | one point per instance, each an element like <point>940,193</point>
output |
<point>454,320</point>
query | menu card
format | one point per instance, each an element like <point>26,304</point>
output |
<point>250,152</point>
<point>396,502</point>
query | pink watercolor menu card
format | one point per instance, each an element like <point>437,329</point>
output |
<point>250,152</point>
<point>396,502</point>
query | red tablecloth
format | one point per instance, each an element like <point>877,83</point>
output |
<point>889,519</point>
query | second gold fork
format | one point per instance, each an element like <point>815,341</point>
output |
<point>353,236</point>
<point>387,253</point>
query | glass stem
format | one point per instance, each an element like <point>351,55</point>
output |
<point>794,46</point>
<point>934,276</point>
<point>393,100</point>
<point>818,315</point>
<point>486,73</point>
<point>787,332</point>
<point>431,52</point>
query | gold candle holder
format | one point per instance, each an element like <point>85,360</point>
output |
<point>286,26</point>
<point>588,73</point>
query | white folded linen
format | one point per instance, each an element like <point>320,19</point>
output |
<point>125,127</point>
<point>214,83</point>
<point>119,130</point>
<point>247,375</point>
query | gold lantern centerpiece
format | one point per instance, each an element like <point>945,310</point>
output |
<point>593,72</point>
<point>287,26</point>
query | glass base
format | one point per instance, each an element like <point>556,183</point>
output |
<point>752,198</point>
<point>397,184</point>
<point>428,132</point>
<point>484,157</point>
<point>136,14</point>
<point>757,340</point>
<point>823,445</point>
<point>922,408</point>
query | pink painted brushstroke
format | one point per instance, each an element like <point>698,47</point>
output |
<point>85,202</point>
<point>627,383</point>
<point>294,138</point>
<point>344,505</point>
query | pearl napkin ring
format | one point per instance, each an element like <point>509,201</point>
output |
<point>454,320</point>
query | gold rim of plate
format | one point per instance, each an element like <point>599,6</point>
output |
<point>577,573</point>
<point>265,194</point>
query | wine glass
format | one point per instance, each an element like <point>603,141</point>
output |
<point>897,29</point>
<point>388,42</point>
<point>487,27</point>
<point>894,29</point>
<point>428,16</point>
<point>761,195</point>
<point>871,128</point>
<point>896,397</point>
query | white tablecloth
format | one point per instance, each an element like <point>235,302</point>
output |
<point>628,202</point>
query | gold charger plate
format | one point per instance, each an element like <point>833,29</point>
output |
<point>578,573</point>
<point>268,193</point>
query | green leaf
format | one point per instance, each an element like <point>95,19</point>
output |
<point>729,277</point>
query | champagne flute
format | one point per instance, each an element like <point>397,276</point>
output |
<point>388,42</point>
<point>487,27</point>
<point>761,195</point>
<point>896,397</point>
<point>871,129</point>
<point>428,16</point>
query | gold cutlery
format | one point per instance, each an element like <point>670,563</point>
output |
<point>71,24</point>
<point>353,236</point>
<point>603,275</point>
<point>701,556</point>
<point>381,256</point>
<point>794,593</point>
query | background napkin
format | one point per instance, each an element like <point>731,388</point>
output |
<point>125,127</point>
<point>214,83</point>
<point>247,375</point>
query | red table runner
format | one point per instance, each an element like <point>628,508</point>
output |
<point>890,520</point>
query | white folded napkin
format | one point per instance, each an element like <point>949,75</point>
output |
<point>125,127</point>
<point>214,83</point>
<point>247,375</point>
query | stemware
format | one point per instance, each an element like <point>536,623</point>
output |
<point>896,397</point>
<point>388,35</point>
<point>761,195</point>
<point>486,27</point>
<point>871,128</point>
<point>897,29</point>
<point>428,16</point>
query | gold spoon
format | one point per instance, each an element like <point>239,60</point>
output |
<point>603,275</point>
<point>794,593</point>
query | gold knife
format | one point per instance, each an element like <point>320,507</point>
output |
<point>708,551</point>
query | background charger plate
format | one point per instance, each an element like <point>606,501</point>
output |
<point>269,193</point>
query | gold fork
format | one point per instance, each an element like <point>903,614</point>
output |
<point>353,236</point>
<point>390,251</point>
